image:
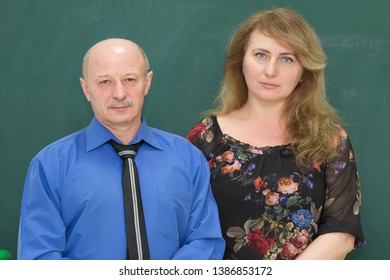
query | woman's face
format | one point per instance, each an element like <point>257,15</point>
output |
<point>271,69</point>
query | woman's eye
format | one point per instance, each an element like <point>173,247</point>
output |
<point>261,55</point>
<point>287,59</point>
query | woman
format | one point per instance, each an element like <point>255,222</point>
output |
<point>282,167</point>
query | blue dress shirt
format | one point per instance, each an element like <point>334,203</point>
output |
<point>72,206</point>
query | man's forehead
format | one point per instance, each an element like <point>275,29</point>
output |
<point>107,54</point>
<point>116,46</point>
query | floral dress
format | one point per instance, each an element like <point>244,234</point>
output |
<point>269,209</point>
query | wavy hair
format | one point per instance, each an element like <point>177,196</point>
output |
<point>311,122</point>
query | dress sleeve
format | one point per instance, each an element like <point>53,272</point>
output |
<point>205,135</point>
<point>343,197</point>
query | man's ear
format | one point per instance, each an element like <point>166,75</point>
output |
<point>148,82</point>
<point>84,86</point>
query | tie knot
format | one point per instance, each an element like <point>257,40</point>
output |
<point>125,151</point>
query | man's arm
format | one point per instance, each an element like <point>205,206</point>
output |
<point>204,240</point>
<point>41,230</point>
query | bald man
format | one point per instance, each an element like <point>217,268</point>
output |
<point>73,205</point>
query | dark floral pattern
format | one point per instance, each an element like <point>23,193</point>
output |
<point>270,209</point>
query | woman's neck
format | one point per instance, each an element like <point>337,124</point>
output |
<point>256,125</point>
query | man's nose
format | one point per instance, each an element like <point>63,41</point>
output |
<point>119,91</point>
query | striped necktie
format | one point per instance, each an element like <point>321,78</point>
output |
<point>137,243</point>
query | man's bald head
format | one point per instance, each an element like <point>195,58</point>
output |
<point>112,46</point>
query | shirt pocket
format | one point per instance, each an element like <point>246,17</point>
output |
<point>174,208</point>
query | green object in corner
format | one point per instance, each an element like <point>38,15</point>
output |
<point>5,255</point>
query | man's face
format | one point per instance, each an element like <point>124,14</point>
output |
<point>115,82</point>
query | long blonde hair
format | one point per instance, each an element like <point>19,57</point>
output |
<point>311,122</point>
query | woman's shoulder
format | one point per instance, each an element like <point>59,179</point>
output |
<point>340,138</point>
<point>206,134</point>
<point>207,124</point>
<point>342,145</point>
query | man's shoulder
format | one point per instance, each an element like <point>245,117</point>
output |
<point>179,151</point>
<point>169,139</point>
<point>63,144</point>
<point>167,136</point>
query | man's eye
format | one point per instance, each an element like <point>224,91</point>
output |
<point>104,82</point>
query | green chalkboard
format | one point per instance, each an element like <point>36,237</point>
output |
<point>43,42</point>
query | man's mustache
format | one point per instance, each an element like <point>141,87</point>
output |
<point>121,103</point>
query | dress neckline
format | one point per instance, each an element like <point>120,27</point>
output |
<point>235,141</point>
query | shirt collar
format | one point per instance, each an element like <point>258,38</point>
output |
<point>97,135</point>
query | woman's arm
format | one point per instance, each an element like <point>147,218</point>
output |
<point>329,246</point>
